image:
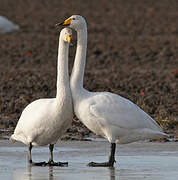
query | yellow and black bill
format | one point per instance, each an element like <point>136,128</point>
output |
<point>65,23</point>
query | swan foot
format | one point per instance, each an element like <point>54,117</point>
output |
<point>111,161</point>
<point>38,163</point>
<point>62,164</point>
<point>105,164</point>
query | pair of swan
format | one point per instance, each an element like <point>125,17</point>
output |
<point>109,115</point>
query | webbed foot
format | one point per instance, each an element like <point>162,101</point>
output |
<point>52,163</point>
<point>104,164</point>
<point>37,163</point>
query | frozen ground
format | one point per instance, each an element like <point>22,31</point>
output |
<point>136,161</point>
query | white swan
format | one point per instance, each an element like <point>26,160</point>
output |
<point>7,26</point>
<point>44,121</point>
<point>106,114</point>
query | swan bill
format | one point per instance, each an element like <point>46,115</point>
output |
<point>69,38</point>
<point>65,23</point>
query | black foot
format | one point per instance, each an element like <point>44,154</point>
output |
<point>105,164</point>
<point>37,163</point>
<point>52,163</point>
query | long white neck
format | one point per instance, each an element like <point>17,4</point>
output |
<point>76,82</point>
<point>62,70</point>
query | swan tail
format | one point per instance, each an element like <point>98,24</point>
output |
<point>142,134</point>
<point>12,139</point>
<point>151,134</point>
<point>21,138</point>
<point>164,134</point>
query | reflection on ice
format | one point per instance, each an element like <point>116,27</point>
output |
<point>34,173</point>
<point>48,173</point>
<point>129,168</point>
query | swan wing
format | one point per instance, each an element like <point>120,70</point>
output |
<point>35,117</point>
<point>119,111</point>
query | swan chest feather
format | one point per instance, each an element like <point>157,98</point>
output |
<point>43,122</point>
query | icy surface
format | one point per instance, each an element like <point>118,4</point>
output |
<point>136,161</point>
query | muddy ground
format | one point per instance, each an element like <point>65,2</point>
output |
<point>132,51</point>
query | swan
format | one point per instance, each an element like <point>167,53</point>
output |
<point>106,114</point>
<point>7,26</point>
<point>44,121</point>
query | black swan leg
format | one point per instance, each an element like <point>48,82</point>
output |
<point>30,158</point>
<point>51,162</point>
<point>111,161</point>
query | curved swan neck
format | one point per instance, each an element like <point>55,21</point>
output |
<point>80,60</point>
<point>62,69</point>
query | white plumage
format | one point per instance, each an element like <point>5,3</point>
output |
<point>116,118</point>
<point>44,121</point>
<point>106,114</point>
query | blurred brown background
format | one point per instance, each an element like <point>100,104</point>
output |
<point>132,51</point>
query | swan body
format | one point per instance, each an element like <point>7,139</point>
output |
<point>7,26</point>
<point>106,114</point>
<point>44,121</point>
<point>116,118</point>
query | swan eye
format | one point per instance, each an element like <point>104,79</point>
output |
<point>73,18</point>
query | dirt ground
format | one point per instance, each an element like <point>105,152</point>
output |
<point>132,51</point>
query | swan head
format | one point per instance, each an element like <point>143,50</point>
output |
<point>66,35</point>
<point>75,22</point>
